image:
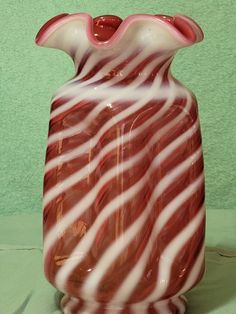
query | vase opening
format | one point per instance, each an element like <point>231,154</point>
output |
<point>105,26</point>
<point>185,26</point>
<point>66,31</point>
<point>46,26</point>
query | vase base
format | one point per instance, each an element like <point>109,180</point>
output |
<point>71,305</point>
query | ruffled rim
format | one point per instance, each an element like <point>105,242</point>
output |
<point>183,28</point>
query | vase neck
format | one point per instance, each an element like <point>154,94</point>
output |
<point>131,66</point>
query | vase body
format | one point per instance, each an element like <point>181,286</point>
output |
<point>124,211</point>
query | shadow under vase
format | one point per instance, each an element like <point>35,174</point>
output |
<point>216,293</point>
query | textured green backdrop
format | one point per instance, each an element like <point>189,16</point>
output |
<point>29,76</point>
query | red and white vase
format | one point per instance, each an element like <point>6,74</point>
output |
<point>124,213</point>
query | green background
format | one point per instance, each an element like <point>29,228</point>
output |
<point>30,74</point>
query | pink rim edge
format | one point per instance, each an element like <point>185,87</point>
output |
<point>43,36</point>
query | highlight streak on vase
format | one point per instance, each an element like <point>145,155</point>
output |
<point>124,186</point>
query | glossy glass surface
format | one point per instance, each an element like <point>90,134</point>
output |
<point>124,211</point>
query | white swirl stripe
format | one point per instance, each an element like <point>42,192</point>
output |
<point>179,304</point>
<point>162,307</point>
<point>170,253</point>
<point>193,276</point>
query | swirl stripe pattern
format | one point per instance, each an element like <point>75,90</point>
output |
<point>124,183</point>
